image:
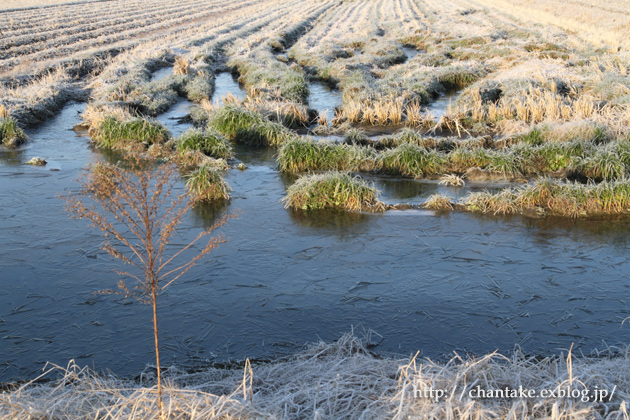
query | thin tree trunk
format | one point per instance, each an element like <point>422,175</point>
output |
<point>157,354</point>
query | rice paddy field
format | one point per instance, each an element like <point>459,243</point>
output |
<point>432,195</point>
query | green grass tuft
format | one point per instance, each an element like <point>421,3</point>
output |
<point>11,134</point>
<point>303,155</point>
<point>199,88</point>
<point>113,133</point>
<point>245,126</point>
<point>206,184</point>
<point>265,133</point>
<point>604,165</point>
<point>411,160</point>
<point>232,119</point>
<point>334,190</point>
<point>535,137</point>
<point>209,142</point>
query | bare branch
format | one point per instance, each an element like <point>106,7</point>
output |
<point>133,205</point>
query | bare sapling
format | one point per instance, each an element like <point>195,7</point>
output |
<point>138,208</point>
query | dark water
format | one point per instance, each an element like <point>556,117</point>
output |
<point>424,281</point>
<point>396,190</point>
<point>324,99</point>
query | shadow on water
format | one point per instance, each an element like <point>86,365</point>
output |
<point>395,190</point>
<point>324,219</point>
<point>12,157</point>
<point>437,282</point>
<point>262,156</point>
<point>209,213</point>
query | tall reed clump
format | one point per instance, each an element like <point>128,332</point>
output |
<point>11,135</point>
<point>137,208</point>
<point>304,155</point>
<point>333,190</point>
<point>249,127</point>
<point>210,142</point>
<point>113,133</point>
<point>206,184</point>
<point>554,197</point>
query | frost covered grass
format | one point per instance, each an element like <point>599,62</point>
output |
<point>249,127</point>
<point>556,197</point>
<point>114,133</point>
<point>411,155</point>
<point>209,142</point>
<point>341,380</point>
<point>546,197</point>
<point>305,154</point>
<point>333,190</point>
<point>207,184</point>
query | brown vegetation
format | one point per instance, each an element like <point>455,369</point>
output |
<point>138,209</point>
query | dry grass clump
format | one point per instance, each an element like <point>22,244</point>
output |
<point>333,190</point>
<point>452,180</point>
<point>289,114</point>
<point>181,66</point>
<point>554,197</point>
<point>190,160</point>
<point>438,202</point>
<point>533,105</point>
<point>341,380</point>
<point>322,118</point>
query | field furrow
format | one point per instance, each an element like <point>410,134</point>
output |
<point>36,39</point>
<point>71,44</point>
